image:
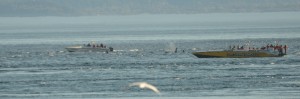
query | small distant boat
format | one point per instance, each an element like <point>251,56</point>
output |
<point>89,48</point>
<point>269,51</point>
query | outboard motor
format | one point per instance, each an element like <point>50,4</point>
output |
<point>111,49</point>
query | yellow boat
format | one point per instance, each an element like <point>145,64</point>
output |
<point>243,53</point>
<point>235,54</point>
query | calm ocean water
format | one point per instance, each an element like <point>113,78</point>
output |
<point>34,63</point>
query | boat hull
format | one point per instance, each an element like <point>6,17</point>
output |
<point>87,49</point>
<point>235,54</point>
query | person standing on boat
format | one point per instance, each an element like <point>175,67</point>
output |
<point>279,48</point>
<point>284,47</point>
<point>271,46</point>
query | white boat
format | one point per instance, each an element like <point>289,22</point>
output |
<point>88,49</point>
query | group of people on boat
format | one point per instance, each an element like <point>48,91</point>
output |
<point>242,48</point>
<point>279,48</point>
<point>93,45</point>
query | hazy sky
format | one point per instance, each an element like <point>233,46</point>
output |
<point>129,7</point>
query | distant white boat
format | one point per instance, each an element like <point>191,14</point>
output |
<point>89,48</point>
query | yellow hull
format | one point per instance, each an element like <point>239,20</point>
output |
<point>235,54</point>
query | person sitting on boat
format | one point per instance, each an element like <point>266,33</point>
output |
<point>101,45</point>
<point>277,47</point>
<point>242,48</point>
<point>263,48</point>
<point>233,48</point>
